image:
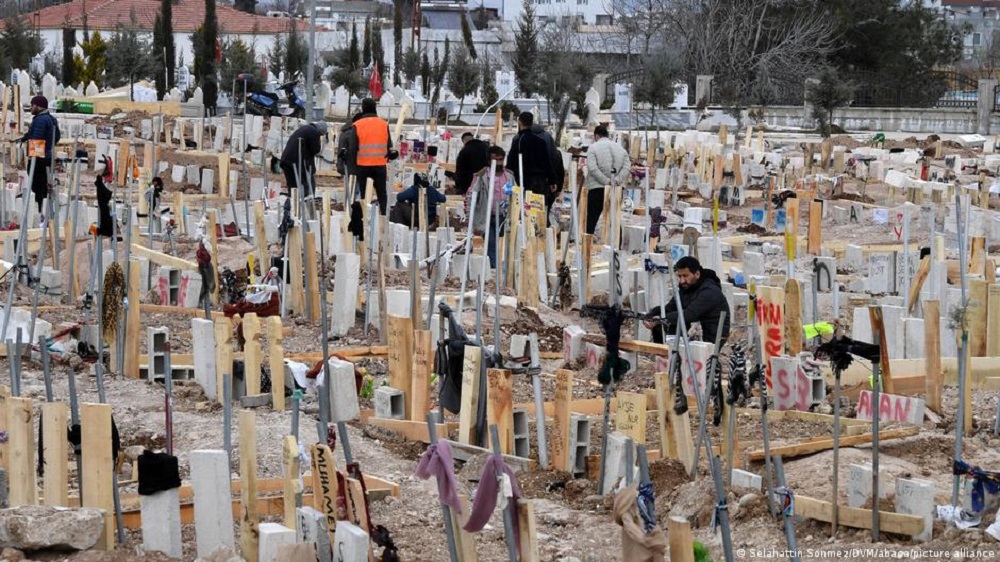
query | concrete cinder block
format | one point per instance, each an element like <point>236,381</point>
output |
<point>614,460</point>
<point>273,536</point>
<point>753,263</point>
<point>351,543</point>
<point>853,256</point>
<point>389,403</point>
<point>345,294</point>
<point>522,439</point>
<point>916,497</point>
<point>572,340</point>
<point>579,440</point>
<point>859,485</point>
<point>519,345</point>
<point>255,401</point>
<point>913,329</point>
<point>161,522</point>
<point>212,500</point>
<point>311,527</point>
<point>748,480</point>
<point>343,391</point>
<point>397,302</point>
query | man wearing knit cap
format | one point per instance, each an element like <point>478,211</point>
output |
<point>44,130</point>
<point>301,150</point>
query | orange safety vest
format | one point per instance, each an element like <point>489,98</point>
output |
<point>373,141</point>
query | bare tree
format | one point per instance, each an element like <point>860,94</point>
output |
<point>986,62</point>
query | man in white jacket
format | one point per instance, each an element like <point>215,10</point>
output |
<point>607,163</point>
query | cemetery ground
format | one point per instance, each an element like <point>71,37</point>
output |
<point>572,521</point>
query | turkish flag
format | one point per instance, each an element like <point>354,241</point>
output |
<point>218,51</point>
<point>375,84</point>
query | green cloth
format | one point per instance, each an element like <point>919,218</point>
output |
<point>818,329</point>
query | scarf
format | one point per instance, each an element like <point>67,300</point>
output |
<point>486,495</point>
<point>437,461</point>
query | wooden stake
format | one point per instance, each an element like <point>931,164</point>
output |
<point>295,285</point>
<point>21,448</point>
<point>875,316</point>
<point>528,531</point>
<point>249,522</point>
<point>559,444</point>
<point>223,352</point>
<point>423,364</point>
<point>630,417</point>
<point>932,349</point>
<point>276,358</point>
<point>132,326</point>
<point>730,439</point>
<point>978,302</point>
<point>978,255</point>
<point>499,409</point>
<point>312,277</point>
<point>292,487</point>
<point>358,511</point>
<point>4,395</point>
<point>993,322</point>
<point>815,227</point>
<point>682,432</point>
<point>681,541</point>
<point>326,489</point>
<point>588,240</point>
<point>224,175</point>
<point>252,359</point>
<point>471,372</point>
<point>465,542</point>
<point>55,483</point>
<point>793,317</point>
<point>528,281</point>
<point>260,238</point>
<point>668,445</point>
<point>213,237</point>
<point>400,341</point>
<point>98,467</point>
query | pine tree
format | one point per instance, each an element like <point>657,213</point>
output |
<point>205,54</point>
<point>366,53</point>
<point>95,60</point>
<point>68,68</point>
<point>276,58</point>
<point>463,78</point>
<point>353,52</point>
<point>440,71</point>
<point>526,61</point>
<point>467,36</point>
<point>18,45</point>
<point>397,39</point>
<point>489,90</point>
<point>163,48</point>
<point>378,51</point>
<point>425,75</point>
<point>296,53</point>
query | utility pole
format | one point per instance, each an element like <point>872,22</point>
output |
<point>310,70</point>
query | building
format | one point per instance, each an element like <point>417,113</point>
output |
<point>107,16</point>
<point>983,19</point>
<point>592,12</point>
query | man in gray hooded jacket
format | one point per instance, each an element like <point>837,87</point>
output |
<point>607,163</point>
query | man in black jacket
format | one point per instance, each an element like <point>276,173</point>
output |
<point>301,150</point>
<point>531,151</point>
<point>702,299</point>
<point>471,159</point>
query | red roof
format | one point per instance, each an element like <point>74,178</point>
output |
<point>188,16</point>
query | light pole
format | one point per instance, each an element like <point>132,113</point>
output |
<point>310,70</point>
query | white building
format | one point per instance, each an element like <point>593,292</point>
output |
<point>592,12</point>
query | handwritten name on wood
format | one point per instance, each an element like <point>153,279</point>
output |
<point>771,324</point>
<point>793,390</point>
<point>559,448</point>
<point>630,418</point>
<point>892,408</point>
<point>662,365</point>
<point>325,486</point>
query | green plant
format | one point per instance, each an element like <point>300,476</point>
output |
<point>701,553</point>
<point>368,387</point>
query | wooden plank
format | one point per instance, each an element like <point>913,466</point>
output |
<point>731,431</point>
<point>630,419</point>
<point>464,451</point>
<point>132,325</point>
<point>801,449</point>
<point>213,238</point>
<point>663,404</point>
<point>55,482</point>
<point>815,235</point>
<point>400,340</point>
<point>878,327</point>
<point>918,282</point>
<point>423,364</point>
<point>249,520</point>
<point>223,353</point>
<point>293,487</point>
<point>326,488</point>
<point>528,531</point>
<point>682,432</point>
<point>588,240</point>
<point>498,407</point>
<point>95,423</point>
<point>358,510</point>
<point>260,238</point>
<point>465,542</point>
<point>978,302</point>
<point>276,361</point>
<point>637,346</point>
<point>471,372</point>
<point>793,317</point>
<point>312,276</point>
<point>223,177</point>
<point>4,395</point>
<point>559,443</point>
<point>252,359</point>
<point>167,309</point>
<point>977,256</point>
<point>858,518</point>
<point>993,322</point>
<point>932,348</point>
<point>770,304</point>
<point>160,258</point>
<point>680,539</point>
<point>21,451</point>
<point>411,429</point>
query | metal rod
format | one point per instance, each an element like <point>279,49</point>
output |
<point>227,416</point>
<point>536,383</point>
<point>963,352</point>
<point>722,510</point>
<point>371,256</point>
<point>99,367</point>
<point>508,517</point>
<point>467,252</point>
<point>629,461</point>
<point>19,256</point>
<point>167,391</point>
<point>296,399</point>
<point>876,389</point>
<point>74,412</point>
<point>43,349</point>
<point>787,514</point>
<point>836,452</point>
<point>449,529</point>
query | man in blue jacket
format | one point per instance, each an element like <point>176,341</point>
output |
<point>44,128</point>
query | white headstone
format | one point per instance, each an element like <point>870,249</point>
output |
<point>198,96</point>
<point>24,82</point>
<point>92,89</point>
<point>49,83</point>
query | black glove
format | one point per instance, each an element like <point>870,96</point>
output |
<point>392,155</point>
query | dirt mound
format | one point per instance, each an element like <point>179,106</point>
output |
<point>667,475</point>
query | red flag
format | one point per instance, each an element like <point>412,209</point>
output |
<point>375,84</point>
<point>218,50</point>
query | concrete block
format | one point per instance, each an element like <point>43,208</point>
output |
<point>841,215</point>
<point>389,403</point>
<point>203,347</point>
<point>853,256</point>
<point>825,285</point>
<point>572,342</point>
<point>595,354</point>
<point>579,442</point>
<point>614,461</point>
<point>189,292</point>
<point>351,543</point>
<point>519,345</point>
<point>51,280</point>
<point>913,330</point>
<point>881,273</point>
<point>193,174</point>
<point>916,497</point>
<point>161,522</point>
<point>343,391</point>
<point>345,294</point>
<point>311,527</point>
<point>859,485</point>
<point>273,536</point>
<point>748,480</point>
<point>753,263</point>
<point>397,302</point>
<point>892,408</point>
<point>255,401</point>
<point>522,439</point>
<point>212,500</point>
<point>208,181</point>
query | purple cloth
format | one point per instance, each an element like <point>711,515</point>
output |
<point>437,461</point>
<point>486,495</point>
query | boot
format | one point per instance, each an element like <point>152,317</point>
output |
<point>680,400</point>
